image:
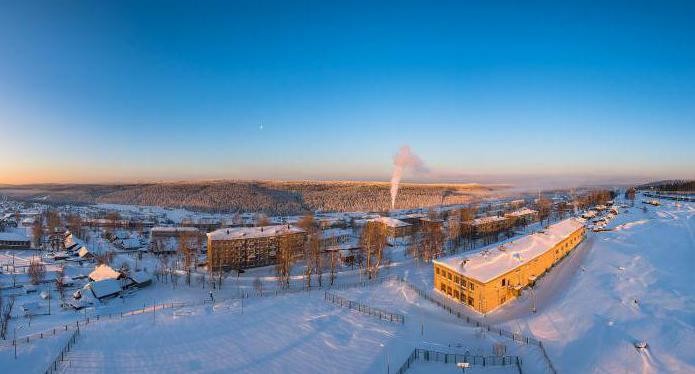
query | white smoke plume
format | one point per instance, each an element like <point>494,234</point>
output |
<point>404,159</point>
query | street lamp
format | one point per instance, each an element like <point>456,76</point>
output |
<point>388,361</point>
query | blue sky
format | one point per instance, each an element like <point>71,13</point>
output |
<point>121,91</point>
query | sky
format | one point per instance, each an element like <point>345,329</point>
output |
<point>480,91</point>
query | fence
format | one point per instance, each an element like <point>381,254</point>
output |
<point>455,358</point>
<point>76,324</point>
<point>277,292</point>
<point>53,367</point>
<point>472,321</point>
<point>362,308</point>
<point>302,288</point>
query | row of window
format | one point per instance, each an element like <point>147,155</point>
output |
<point>455,278</point>
<point>456,294</point>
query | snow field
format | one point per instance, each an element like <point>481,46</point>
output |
<point>289,334</point>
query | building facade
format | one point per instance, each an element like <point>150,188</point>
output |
<point>247,247</point>
<point>485,225</point>
<point>486,280</point>
<point>11,240</point>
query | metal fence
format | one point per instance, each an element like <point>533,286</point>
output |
<point>455,358</point>
<point>363,308</point>
<point>99,317</point>
<point>456,310</point>
<point>155,307</point>
<point>53,367</point>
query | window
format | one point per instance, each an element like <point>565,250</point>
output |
<point>471,285</point>
<point>503,299</point>
<point>456,278</point>
<point>448,275</point>
<point>504,282</point>
<point>442,287</point>
<point>436,270</point>
<point>470,301</point>
<point>456,294</point>
<point>448,290</point>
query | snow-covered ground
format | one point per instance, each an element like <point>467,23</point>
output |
<point>292,333</point>
<point>635,283</point>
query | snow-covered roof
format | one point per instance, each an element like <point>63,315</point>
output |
<point>522,212</point>
<point>252,232</point>
<point>335,232</point>
<point>489,264</point>
<point>104,288</point>
<point>140,277</point>
<point>484,220</point>
<point>131,243</point>
<point>13,237</point>
<point>173,229</point>
<point>104,271</point>
<point>390,222</point>
<point>84,251</point>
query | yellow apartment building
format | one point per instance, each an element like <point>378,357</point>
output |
<point>488,279</point>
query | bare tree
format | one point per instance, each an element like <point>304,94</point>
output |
<point>312,251</point>
<point>285,259</point>
<point>75,224</point>
<point>113,217</point>
<point>53,221</point>
<point>454,230</point>
<point>262,220</point>
<point>333,266</point>
<point>60,282</point>
<point>544,209</point>
<point>373,242</point>
<point>258,285</point>
<point>5,315</point>
<point>37,231</point>
<point>432,242</point>
<point>37,271</point>
<point>104,258</point>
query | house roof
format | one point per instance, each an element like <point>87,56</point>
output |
<point>104,288</point>
<point>521,212</point>
<point>140,277</point>
<point>102,272</point>
<point>484,220</point>
<point>131,243</point>
<point>390,222</point>
<point>13,237</point>
<point>488,264</point>
<point>252,232</point>
<point>173,229</point>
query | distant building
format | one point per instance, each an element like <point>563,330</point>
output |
<point>336,239</point>
<point>13,240</point>
<point>166,239</point>
<point>485,225</point>
<point>395,228</point>
<point>488,279</point>
<point>246,247</point>
<point>523,215</point>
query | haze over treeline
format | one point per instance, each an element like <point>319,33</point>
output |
<point>269,197</point>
